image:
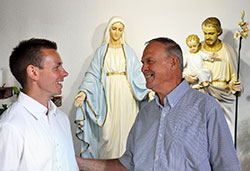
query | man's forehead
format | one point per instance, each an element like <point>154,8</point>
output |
<point>48,52</point>
<point>51,55</point>
<point>147,52</point>
<point>154,47</point>
<point>209,28</point>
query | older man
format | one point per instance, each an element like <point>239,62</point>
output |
<point>181,129</point>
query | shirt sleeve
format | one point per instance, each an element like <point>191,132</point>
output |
<point>221,149</point>
<point>10,147</point>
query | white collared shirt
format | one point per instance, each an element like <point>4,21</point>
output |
<point>30,140</point>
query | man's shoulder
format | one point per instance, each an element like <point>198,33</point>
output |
<point>13,115</point>
<point>199,96</point>
<point>149,109</point>
<point>149,105</point>
<point>62,115</point>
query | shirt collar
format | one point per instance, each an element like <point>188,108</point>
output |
<point>174,96</point>
<point>52,107</point>
<point>34,107</point>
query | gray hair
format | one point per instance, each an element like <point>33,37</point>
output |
<point>172,49</point>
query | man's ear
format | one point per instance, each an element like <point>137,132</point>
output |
<point>174,63</point>
<point>32,72</point>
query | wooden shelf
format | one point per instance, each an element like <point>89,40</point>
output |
<point>6,92</point>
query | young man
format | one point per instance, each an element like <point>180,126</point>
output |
<point>181,129</point>
<point>34,133</point>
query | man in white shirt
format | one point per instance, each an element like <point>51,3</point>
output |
<point>34,133</point>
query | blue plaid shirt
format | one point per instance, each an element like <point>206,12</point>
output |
<point>188,133</point>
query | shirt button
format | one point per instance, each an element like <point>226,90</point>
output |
<point>160,135</point>
<point>156,157</point>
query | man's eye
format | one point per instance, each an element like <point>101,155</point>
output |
<point>150,61</point>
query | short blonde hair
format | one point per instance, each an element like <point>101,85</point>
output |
<point>192,37</point>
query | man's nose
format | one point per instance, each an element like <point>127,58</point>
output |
<point>65,73</point>
<point>144,67</point>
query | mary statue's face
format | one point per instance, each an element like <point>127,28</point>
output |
<point>116,31</point>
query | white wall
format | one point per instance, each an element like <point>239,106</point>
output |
<point>77,26</point>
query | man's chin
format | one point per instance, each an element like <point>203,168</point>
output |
<point>57,93</point>
<point>149,86</point>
